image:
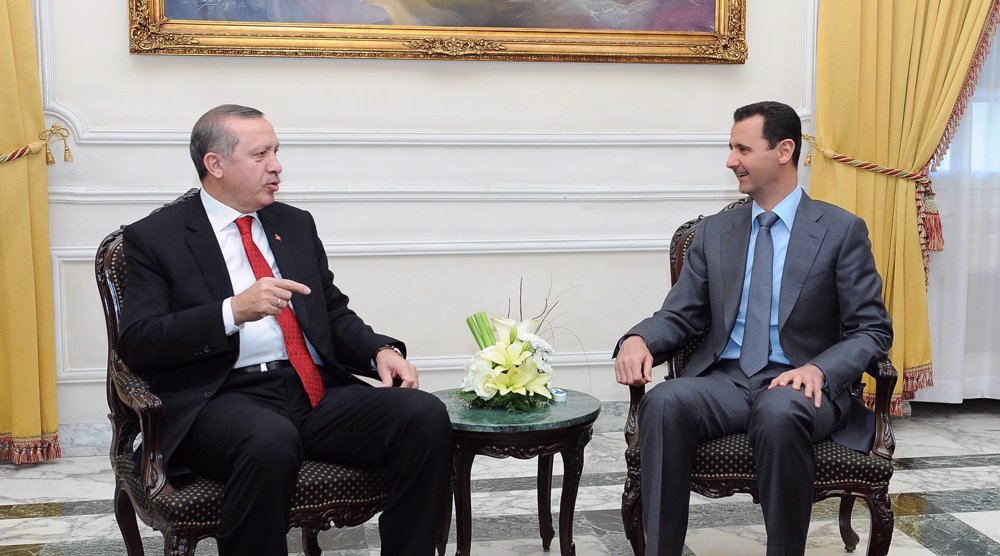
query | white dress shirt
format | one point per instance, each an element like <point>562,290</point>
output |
<point>260,340</point>
<point>781,232</point>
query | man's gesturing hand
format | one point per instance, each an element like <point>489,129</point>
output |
<point>809,376</point>
<point>268,296</point>
<point>634,364</point>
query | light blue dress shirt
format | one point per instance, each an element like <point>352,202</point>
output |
<point>780,234</point>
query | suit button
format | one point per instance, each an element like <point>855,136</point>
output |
<point>206,349</point>
<point>208,394</point>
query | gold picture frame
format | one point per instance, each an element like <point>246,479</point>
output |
<point>721,41</point>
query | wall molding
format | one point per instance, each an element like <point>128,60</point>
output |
<point>426,365</point>
<point>59,258</point>
<point>810,37</point>
<point>83,133</point>
<point>488,246</point>
<point>90,194</point>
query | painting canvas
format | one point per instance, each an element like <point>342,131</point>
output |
<point>608,15</point>
<point>584,30</point>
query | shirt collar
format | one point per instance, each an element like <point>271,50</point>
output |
<point>785,210</point>
<point>219,214</point>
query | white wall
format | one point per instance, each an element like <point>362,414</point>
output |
<point>437,184</point>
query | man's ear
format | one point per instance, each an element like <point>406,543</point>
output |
<point>785,149</point>
<point>213,163</point>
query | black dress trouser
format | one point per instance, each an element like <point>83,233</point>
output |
<point>254,434</point>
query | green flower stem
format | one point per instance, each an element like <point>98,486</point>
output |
<point>485,328</point>
<point>474,327</point>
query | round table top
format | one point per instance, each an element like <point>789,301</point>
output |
<point>578,408</point>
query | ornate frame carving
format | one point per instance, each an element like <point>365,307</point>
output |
<point>151,32</point>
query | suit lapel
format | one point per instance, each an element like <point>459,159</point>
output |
<point>279,237</point>
<point>205,249</point>
<point>735,241</point>
<point>803,245</point>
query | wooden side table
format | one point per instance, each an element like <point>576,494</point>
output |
<point>563,427</point>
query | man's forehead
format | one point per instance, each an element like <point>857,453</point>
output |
<point>748,129</point>
<point>256,132</point>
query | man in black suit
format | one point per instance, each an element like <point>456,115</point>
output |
<point>231,313</point>
<point>784,341</point>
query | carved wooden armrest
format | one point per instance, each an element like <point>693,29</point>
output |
<point>635,394</point>
<point>632,419</point>
<point>885,376</point>
<point>134,391</point>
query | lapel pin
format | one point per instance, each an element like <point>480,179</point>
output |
<point>277,237</point>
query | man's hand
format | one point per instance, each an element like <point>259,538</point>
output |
<point>268,296</point>
<point>390,365</point>
<point>809,376</point>
<point>634,364</point>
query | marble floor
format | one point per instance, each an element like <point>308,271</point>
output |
<point>945,494</point>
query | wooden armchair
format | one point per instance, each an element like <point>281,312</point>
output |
<point>725,465</point>
<point>325,495</point>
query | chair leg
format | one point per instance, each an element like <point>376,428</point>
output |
<point>882,521</point>
<point>638,539</point>
<point>125,516</point>
<point>175,544</point>
<point>846,531</point>
<point>632,514</point>
<point>310,542</point>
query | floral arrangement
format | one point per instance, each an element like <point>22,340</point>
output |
<point>512,369</point>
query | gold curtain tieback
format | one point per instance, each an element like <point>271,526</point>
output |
<point>928,218</point>
<point>54,133</point>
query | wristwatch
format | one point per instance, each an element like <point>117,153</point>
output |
<point>380,348</point>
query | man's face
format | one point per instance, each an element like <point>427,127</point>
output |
<point>755,164</point>
<point>249,176</point>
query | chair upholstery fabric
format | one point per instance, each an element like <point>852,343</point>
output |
<point>725,465</point>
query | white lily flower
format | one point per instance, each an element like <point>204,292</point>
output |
<point>523,330</point>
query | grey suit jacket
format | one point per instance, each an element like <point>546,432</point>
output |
<point>830,310</point>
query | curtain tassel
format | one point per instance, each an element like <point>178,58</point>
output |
<point>30,450</point>
<point>932,224</point>
<point>54,133</point>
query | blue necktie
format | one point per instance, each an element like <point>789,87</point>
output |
<point>757,327</point>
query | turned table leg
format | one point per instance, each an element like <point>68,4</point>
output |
<point>545,501</point>
<point>463,499</point>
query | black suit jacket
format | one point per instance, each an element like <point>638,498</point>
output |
<point>176,280</point>
<point>830,309</point>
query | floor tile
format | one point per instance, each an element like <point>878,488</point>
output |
<point>986,523</point>
<point>945,494</point>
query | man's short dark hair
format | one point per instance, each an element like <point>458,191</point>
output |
<point>211,135</point>
<point>780,122</point>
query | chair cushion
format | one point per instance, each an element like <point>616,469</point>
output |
<point>730,457</point>
<point>319,485</point>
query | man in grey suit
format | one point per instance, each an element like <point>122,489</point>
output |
<point>785,339</point>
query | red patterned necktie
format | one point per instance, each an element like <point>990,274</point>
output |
<point>295,343</point>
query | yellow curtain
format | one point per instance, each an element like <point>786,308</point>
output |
<point>28,413</point>
<point>892,80</point>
